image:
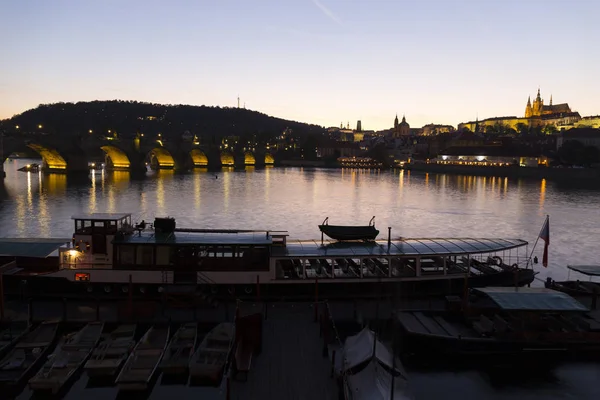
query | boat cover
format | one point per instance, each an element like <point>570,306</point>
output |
<point>375,383</point>
<point>359,348</point>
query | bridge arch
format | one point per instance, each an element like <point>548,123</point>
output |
<point>199,158</point>
<point>227,159</point>
<point>269,159</point>
<point>116,158</point>
<point>249,158</point>
<point>161,158</point>
<point>52,158</point>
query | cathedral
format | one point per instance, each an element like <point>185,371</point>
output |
<point>400,129</point>
<point>537,109</point>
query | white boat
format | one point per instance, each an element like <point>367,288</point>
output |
<point>142,363</point>
<point>67,359</point>
<point>27,354</point>
<point>180,350</point>
<point>111,354</point>
<point>208,361</point>
<point>11,333</point>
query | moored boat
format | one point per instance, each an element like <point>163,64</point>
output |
<point>25,357</point>
<point>109,356</point>
<point>142,363</point>
<point>10,333</point>
<point>504,323</point>
<point>578,288</point>
<point>180,350</point>
<point>109,257</point>
<point>68,359</point>
<point>210,358</point>
<point>349,232</point>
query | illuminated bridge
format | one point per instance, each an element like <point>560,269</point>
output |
<point>133,154</point>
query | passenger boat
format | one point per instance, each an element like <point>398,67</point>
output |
<point>210,359</point>
<point>29,352</point>
<point>349,232</point>
<point>109,356</point>
<point>109,256</point>
<point>68,359</point>
<point>504,323</point>
<point>578,288</point>
<point>140,367</point>
<point>10,333</point>
<point>180,350</point>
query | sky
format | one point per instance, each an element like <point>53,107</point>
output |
<point>316,61</point>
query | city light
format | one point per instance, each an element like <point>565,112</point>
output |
<point>40,126</point>
<point>90,131</point>
<point>17,127</point>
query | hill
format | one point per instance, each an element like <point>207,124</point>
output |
<point>130,117</point>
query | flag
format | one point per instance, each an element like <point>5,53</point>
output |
<point>545,236</point>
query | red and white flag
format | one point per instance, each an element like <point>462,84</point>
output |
<point>545,236</point>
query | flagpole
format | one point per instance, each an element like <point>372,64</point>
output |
<point>536,240</point>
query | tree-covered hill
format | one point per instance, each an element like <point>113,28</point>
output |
<point>130,117</point>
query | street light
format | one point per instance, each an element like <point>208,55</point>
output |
<point>17,127</point>
<point>40,126</point>
<point>90,131</point>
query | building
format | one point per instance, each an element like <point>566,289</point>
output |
<point>491,156</point>
<point>537,114</point>
<point>587,136</point>
<point>436,129</point>
<point>401,129</point>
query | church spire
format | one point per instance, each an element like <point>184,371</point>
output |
<point>538,98</point>
<point>528,101</point>
<point>550,99</point>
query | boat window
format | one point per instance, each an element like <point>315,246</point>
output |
<point>81,277</point>
<point>163,255</point>
<point>145,255</point>
<point>126,255</point>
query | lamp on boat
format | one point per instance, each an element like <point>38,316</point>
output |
<point>74,253</point>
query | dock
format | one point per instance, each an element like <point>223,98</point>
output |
<point>291,364</point>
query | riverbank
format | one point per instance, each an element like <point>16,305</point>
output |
<point>566,174</point>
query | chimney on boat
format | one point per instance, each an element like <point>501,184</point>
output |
<point>164,225</point>
<point>389,236</point>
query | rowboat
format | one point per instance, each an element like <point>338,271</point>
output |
<point>349,232</point>
<point>209,360</point>
<point>142,363</point>
<point>578,288</point>
<point>111,354</point>
<point>180,350</point>
<point>68,359</point>
<point>27,354</point>
<point>11,333</point>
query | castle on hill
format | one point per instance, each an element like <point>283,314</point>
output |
<point>537,114</point>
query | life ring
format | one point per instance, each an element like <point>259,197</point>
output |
<point>515,267</point>
<point>142,289</point>
<point>248,290</point>
<point>231,290</point>
<point>125,289</point>
<point>107,289</point>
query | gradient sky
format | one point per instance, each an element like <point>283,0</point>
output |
<point>317,61</point>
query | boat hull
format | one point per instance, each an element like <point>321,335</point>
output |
<point>347,233</point>
<point>46,287</point>
<point>575,288</point>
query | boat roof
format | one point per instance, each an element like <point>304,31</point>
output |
<point>199,238</point>
<point>38,248</point>
<point>531,299</point>
<point>101,216</point>
<point>589,270</point>
<point>417,247</point>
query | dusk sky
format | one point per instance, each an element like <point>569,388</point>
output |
<point>316,61</point>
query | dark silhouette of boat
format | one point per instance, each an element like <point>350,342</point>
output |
<point>578,288</point>
<point>349,232</point>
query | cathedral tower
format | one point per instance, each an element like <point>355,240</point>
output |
<point>528,110</point>
<point>537,106</point>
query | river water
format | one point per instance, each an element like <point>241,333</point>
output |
<point>297,200</point>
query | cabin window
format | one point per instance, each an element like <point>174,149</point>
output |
<point>145,255</point>
<point>163,255</point>
<point>81,277</point>
<point>126,255</point>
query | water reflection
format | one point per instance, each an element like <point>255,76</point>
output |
<point>542,193</point>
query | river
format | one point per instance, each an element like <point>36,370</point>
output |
<point>297,200</point>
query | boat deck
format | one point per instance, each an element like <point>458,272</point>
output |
<point>291,365</point>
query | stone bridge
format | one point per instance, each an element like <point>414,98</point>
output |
<point>134,154</point>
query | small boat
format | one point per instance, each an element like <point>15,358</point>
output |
<point>180,350</point>
<point>111,353</point>
<point>504,324</point>
<point>10,334</point>
<point>578,288</point>
<point>209,360</point>
<point>68,359</point>
<point>139,369</point>
<point>349,232</point>
<point>27,354</point>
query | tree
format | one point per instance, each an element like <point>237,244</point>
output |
<point>571,152</point>
<point>522,128</point>
<point>550,129</point>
